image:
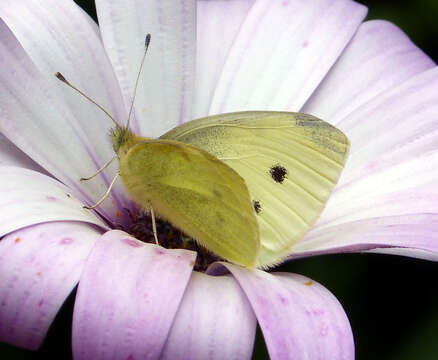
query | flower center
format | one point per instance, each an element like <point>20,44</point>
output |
<point>168,237</point>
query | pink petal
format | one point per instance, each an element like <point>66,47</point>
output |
<point>415,253</point>
<point>300,319</point>
<point>218,24</point>
<point>379,57</point>
<point>39,267</point>
<point>28,198</point>
<point>413,235</point>
<point>35,118</point>
<point>127,298</point>
<point>165,91</point>
<point>283,51</point>
<point>214,321</point>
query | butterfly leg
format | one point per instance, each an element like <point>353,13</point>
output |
<point>154,226</point>
<point>104,195</point>
<point>98,171</point>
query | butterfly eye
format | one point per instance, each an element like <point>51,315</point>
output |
<point>278,173</point>
<point>257,206</point>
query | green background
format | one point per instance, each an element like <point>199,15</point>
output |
<point>392,302</point>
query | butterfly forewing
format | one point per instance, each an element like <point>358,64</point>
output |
<point>196,193</point>
<point>290,162</point>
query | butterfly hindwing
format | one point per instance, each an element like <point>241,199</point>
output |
<point>290,162</point>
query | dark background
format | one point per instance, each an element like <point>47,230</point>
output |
<point>392,302</point>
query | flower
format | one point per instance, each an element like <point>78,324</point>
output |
<point>138,300</point>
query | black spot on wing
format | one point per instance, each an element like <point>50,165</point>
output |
<point>278,173</point>
<point>257,206</point>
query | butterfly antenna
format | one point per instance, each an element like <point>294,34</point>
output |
<point>146,45</point>
<point>65,81</point>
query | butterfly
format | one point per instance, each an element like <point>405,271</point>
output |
<point>247,185</point>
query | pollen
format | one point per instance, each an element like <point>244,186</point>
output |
<point>17,240</point>
<point>308,283</point>
<point>118,213</point>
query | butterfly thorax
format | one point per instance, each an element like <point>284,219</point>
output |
<point>123,139</point>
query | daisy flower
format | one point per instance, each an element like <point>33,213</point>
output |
<point>142,301</point>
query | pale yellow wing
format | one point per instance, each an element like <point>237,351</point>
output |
<point>290,163</point>
<point>196,193</point>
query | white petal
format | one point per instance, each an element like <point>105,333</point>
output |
<point>28,197</point>
<point>393,156</point>
<point>408,188</point>
<point>218,24</point>
<point>404,117</point>
<point>214,321</point>
<point>379,57</point>
<point>37,120</point>
<point>387,195</point>
<point>60,36</point>
<point>283,51</point>
<point>165,91</point>
<point>11,155</point>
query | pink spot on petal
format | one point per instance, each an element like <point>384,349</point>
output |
<point>305,44</point>
<point>41,302</point>
<point>130,357</point>
<point>283,300</point>
<point>66,241</point>
<point>318,312</point>
<point>158,251</point>
<point>51,198</point>
<point>133,243</point>
<point>323,330</point>
<point>262,301</point>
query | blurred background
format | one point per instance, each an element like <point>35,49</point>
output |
<point>392,302</point>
